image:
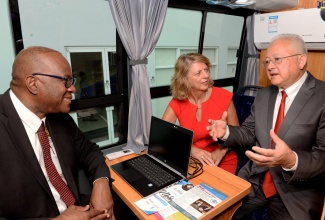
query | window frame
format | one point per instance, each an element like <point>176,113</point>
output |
<point>120,98</point>
<point>162,91</point>
<point>124,69</point>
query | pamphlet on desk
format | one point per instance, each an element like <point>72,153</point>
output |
<point>181,201</point>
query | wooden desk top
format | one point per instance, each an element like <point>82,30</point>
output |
<point>229,184</point>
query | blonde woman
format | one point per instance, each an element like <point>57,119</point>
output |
<point>195,100</point>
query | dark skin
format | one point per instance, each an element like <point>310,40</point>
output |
<point>43,95</point>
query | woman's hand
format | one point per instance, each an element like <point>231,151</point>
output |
<point>218,155</point>
<point>203,156</point>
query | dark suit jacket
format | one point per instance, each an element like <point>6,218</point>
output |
<point>24,192</point>
<point>303,130</point>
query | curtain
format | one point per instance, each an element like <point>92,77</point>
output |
<point>139,24</point>
<point>252,71</point>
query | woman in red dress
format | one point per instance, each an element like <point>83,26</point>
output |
<point>194,102</point>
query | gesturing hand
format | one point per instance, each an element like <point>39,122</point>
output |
<point>282,155</point>
<point>217,128</point>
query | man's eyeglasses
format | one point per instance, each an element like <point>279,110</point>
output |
<point>69,81</point>
<point>276,60</point>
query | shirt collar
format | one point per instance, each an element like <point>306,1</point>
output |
<point>27,116</point>
<point>294,88</point>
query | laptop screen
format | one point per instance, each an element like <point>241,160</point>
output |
<point>171,144</point>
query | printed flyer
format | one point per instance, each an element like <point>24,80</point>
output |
<point>182,201</point>
<point>160,199</point>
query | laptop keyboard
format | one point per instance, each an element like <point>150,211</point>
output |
<point>151,171</point>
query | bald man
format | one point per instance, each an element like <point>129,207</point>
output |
<point>40,92</point>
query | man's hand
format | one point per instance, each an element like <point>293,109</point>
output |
<point>217,128</point>
<point>282,155</point>
<point>101,197</point>
<point>82,212</point>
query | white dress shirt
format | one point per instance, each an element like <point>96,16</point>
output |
<point>32,123</point>
<point>291,91</point>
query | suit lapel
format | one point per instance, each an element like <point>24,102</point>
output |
<point>21,141</point>
<point>305,92</point>
<point>270,112</point>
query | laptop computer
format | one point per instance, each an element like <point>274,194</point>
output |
<point>169,150</point>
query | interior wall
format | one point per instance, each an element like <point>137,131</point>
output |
<point>316,64</point>
<point>59,24</point>
<point>7,49</point>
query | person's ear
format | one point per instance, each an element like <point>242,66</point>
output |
<point>302,61</point>
<point>31,84</point>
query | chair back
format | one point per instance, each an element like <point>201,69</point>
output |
<point>243,100</point>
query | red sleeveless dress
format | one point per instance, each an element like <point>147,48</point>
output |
<point>211,109</point>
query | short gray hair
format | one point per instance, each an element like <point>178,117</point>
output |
<point>296,40</point>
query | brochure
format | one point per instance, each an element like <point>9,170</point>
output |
<point>197,201</point>
<point>182,201</point>
<point>160,199</point>
<point>170,213</point>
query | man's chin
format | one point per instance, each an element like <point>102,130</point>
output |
<point>65,110</point>
<point>275,82</point>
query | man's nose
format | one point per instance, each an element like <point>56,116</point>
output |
<point>72,89</point>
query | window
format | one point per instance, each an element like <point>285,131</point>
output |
<point>95,70</point>
<point>87,37</point>
<point>231,62</point>
<point>212,54</point>
<point>180,35</point>
<point>85,33</point>
<point>225,32</point>
<point>96,73</point>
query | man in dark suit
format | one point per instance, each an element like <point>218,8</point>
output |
<point>296,157</point>
<point>40,92</point>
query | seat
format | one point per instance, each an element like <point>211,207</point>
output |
<point>243,100</point>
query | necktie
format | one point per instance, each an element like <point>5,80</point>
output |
<point>53,174</point>
<point>268,184</point>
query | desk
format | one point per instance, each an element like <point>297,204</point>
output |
<point>233,186</point>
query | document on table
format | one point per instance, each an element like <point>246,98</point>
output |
<point>181,201</point>
<point>160,199</point>
<point>198,201</point>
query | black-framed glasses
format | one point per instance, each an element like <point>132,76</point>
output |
<point>276,60</point>
<point>69,81</point>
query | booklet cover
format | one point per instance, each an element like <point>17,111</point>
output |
<point>160,199</point>
<point>181,201</point>
<point>198,200</point>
